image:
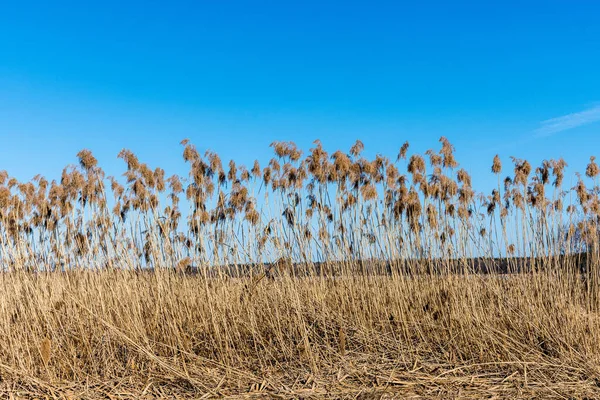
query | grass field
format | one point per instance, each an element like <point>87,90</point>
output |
<point>127,335</point>
<point>325,276</point>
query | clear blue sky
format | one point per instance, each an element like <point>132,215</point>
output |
<point>515,78</point>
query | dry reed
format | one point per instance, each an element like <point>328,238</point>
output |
<point>317,276</point>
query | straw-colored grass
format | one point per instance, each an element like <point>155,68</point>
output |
<point>325,276</point>
<point>129,335</point>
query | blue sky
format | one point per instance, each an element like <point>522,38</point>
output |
<point>514,78</point>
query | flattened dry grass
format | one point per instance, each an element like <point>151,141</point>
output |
<point>119,334</point>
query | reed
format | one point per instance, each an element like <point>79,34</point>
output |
<point>316,274</point>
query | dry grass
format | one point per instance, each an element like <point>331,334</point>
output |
<point>325,276</point>
<point>124,335</point>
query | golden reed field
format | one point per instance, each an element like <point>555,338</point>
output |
<point>316,275</point>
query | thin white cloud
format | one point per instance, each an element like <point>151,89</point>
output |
<point>569,121</point>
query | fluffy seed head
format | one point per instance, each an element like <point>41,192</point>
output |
<point>497,165</point>
<point>403,151</point>
<point>592,170</point>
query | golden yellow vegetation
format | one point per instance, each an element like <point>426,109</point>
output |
<point>317,276</point>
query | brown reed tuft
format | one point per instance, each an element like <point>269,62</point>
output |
<point>357,148</point>
<point>497,165</point>
<point>592,170</point>
<point>403,151</point>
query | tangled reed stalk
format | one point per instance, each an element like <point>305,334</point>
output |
<point>317,275</point>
